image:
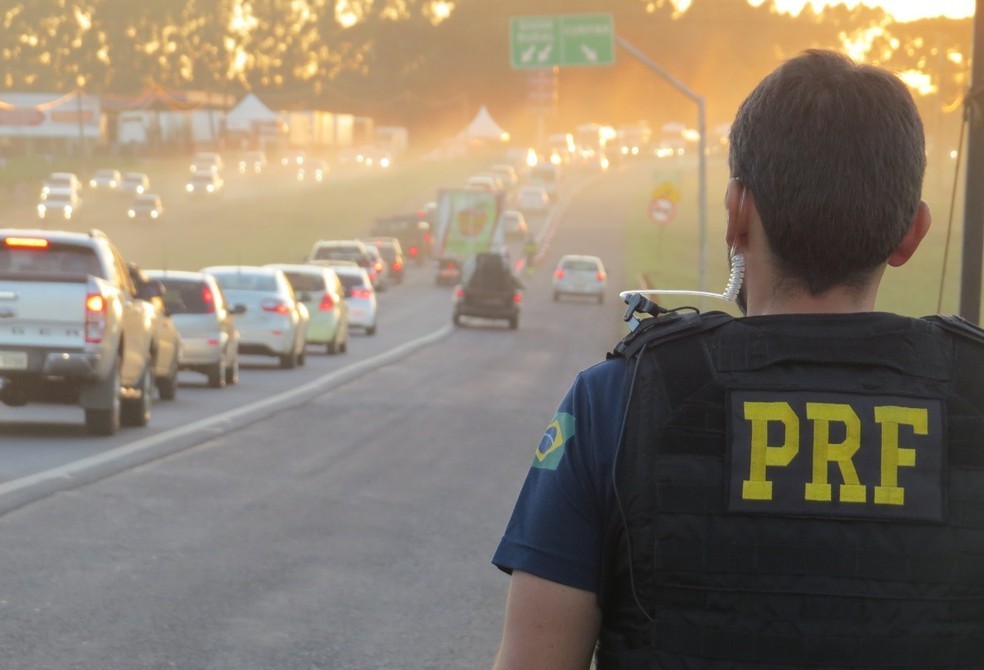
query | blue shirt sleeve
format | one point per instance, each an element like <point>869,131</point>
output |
<point>557,528</point>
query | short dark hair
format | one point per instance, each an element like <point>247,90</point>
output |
<point>834,154</point>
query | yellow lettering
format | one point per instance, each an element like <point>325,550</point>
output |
<point>822,414</point>
<point>892,456</point>
<point>763,456</point>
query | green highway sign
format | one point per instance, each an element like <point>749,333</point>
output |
<point>564,40</point>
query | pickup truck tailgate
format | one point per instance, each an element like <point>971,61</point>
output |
<point>48,314</point>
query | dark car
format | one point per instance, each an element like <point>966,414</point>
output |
<point>413,232</point>
<point>489,290</point>
<point>392,252</point>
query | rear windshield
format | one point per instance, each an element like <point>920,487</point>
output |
<point>544,173</point>
<point>183,296</point>
<point>55,259</point>
<point>350,281</point>
<point>588,266</point>
<point>239,281</point>
<point>340,254</point>
<point>303,281</point>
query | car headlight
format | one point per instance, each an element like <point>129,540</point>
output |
<point>132,214</point>
<point>190,188</point>
<point>41,210</point>
<point>154,213</point>
<point>210,188</point>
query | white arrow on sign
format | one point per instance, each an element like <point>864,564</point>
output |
<point>527,55</point>
<point>589,53</point>
<point>544,53</point>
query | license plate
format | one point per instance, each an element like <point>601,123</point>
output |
<point>13,360</point>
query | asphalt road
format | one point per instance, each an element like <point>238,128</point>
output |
<point>347,525</point>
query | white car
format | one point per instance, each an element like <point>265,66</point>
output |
<point>580,275</point>
<point>61,181</point>
<point>60,203</point>
<point>272,321</point>
<point>532,200</point>
<point>513,224</point>
<point>204,319</point>
<point>146,206</point>
<point>135,182</point>
<point>360,295</point>
<point>319,288</point>
<point>106,179</point>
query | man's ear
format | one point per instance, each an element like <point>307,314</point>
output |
<point>737,220</point>
<point>917,231</point>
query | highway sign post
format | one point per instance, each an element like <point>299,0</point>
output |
<point>564,40</point>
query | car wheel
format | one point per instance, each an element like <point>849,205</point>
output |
<point>456,319</point>
<point>167,387</point>
<point>302,357</point>
<point>106,421</point>
<point>136,411</point>
<point>217,375</point>
<point>514,323</point>
<point>556,296</point>
<point>232,372</point>
<point>371,330</point>
<point>288,361</point>
<point>331,348</point>
<point>601,298</point>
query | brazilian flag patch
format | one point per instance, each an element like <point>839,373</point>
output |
<point>551,450</point>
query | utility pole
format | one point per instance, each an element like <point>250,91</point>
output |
<point>973,233</point>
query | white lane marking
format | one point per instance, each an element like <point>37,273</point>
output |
<point>312,388</point>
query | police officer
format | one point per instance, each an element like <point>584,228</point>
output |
<point>799,488</point>
<point>529,250</point>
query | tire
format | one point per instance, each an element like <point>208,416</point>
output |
<point>371,330</point>
<point>105,422</point>
<point>167,387</point>
<point>513,323</point>
<point>232,372</point>
<point>288,361</point>
<point>456,319</point>
<point>136,411</point>
<point>556,296</point>
<point>601,298</point>
<point>216,375</point>
<point>331,348</point>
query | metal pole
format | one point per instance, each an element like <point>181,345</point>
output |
<point>973,234</point>
<point>701,159</point>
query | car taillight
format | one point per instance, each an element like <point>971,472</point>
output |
<point>361,292</point>
<point>517,297</point>
<point>600,276</point>
<point>413,251</point>
<point>274,305</point>
<point>29,242</point>
<point>397,265</point>
<point>379,267</point>
<point>327,304</point>
<point>95,318</point>
<point>208,299</point>
<point>459,292</point>
<point>559,274</point>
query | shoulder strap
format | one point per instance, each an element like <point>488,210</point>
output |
<point>957,325</point>
<point>667,327</point>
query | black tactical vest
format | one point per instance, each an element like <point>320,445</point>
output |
<point>799,492</point>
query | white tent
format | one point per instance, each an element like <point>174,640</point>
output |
<point>484,127</point>
<point>251,115</point>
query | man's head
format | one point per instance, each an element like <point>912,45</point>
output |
<point>833,154</point>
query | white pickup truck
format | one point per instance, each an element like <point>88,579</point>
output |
<point>74,328</point>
